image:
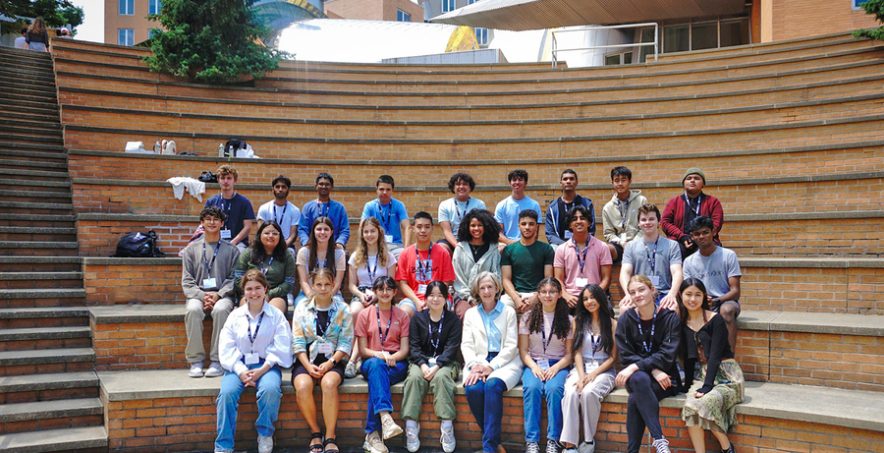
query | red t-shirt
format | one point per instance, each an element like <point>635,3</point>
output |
<point>417,272</point>
<point>367,327</point>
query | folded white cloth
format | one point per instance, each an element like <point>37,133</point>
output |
<point>195,187</point>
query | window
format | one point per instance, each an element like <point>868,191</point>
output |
<point>127,7</point>
<point>402,16</point>
<point>858,4</point>
<point>618,58</point>
<point>734,32</point>
<point>482,36</point>
<point>125,36</point>
<point>676,38</point>
<point>154,6</point>
<point>704,35</point>
<point>447,5</point>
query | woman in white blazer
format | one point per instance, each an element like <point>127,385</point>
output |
<point>490,349</point>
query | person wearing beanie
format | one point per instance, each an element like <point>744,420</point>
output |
<point>680,211</point>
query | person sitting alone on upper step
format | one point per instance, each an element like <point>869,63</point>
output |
<point>683,209</point>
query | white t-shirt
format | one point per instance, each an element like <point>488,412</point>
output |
<point>363,274</point>
<point>286,216</point>
<point>453,211</point>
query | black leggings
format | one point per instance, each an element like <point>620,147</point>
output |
<point>644,408</point>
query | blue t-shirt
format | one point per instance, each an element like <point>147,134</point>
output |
<point>238,209</point>
<point>389,216</point>
<point>334,211</point>
<point>507,214</point>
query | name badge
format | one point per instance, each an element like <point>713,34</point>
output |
<point>431,362</point>
<point>543,364</point>
<point>581,282</point>
<point>388,238</point>
<point>422,289</point>
<point>655,280</point>
<point>225,234</point>
<point>590,365</point>
<point>567,234</point>
<point>209,283</point>
<point>325,348</point>
<point>252,358</point>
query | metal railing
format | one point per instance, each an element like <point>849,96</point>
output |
<point>556,50</point>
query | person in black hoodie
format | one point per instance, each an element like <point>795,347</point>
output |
<point>434,355</point>
<point>711,402</point>
<point>648,342</point>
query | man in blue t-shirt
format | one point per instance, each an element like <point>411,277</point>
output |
<point>391,214</point>
<point>237,208</point>
<point>507,211</point>
<point>324,206</point>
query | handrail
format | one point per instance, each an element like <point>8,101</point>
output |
<point>655,43</point>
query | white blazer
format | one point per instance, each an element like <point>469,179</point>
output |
<point>507,365</point>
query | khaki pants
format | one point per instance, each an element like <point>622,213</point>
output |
<point>193,324</point>
<point>416,386</point>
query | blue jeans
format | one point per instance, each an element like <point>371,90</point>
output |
<point>486,404</point>
<point>380,377</point>
<point>269,395</point>
<point>533,391</point>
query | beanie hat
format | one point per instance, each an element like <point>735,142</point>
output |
<point>694,171</point>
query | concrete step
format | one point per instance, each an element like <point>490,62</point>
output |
<point>19,318</point>
<point>36,84</point>
<point>48,387</point>
<point>38,248</point>
<point>37,233</point>
<point>40,280</point>
<point>21,114</point>
<point>32,147</point>
<point>56,220</point>
<point>29,105</point>
<point>42,174</point>
<point>45,338</point>
<point>29,207</point>
<point>13,183</point>
<point>13,363</point>
<point>13,138</point>
<point>29,129</point>
<point>89,438</point>
<point>34,165</point>
<point>71,413</point>
<point>9,263</point>
<point>42,297</point>
<point>36,196</point>
<point>47,156</point>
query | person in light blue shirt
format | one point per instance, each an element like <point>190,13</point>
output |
<point>507,211</point>
<point>391,213</point>
<point>282,212</point>
<point>324,206</point>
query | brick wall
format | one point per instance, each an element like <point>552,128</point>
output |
<point>800,18</point>
<point>144,345</point>
<point>121,283</point>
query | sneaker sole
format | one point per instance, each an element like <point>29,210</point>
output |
<point>369,449</point>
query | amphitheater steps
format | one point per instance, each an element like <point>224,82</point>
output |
<point>48,389</point>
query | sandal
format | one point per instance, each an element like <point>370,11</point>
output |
<point>316,447</point>
<point>330,440</point>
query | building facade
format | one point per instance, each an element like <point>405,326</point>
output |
<point>388,10</point>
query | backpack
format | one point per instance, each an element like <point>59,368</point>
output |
<point>233,146</point>
<point>138,245</point>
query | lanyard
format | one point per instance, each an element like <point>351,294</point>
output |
<point>371,272</point>
<point>641,332</point>
<point>276,218</point>
<point>254,336</point>
<point>699,202</point>
<point>324,209</point>
<point>581,256</point>
<point>562,214</point>
<point>623,207</point>
<point>383,336</point>
<point>225,207</point>
<point>264,269</point>
<point>652,258</point>
<point>423,269</point>
<point>460,214</point>
<point>543,340</point>
<point>209,265</point>
<point>435,344</point>
<point>595,342</point>
<point>385,215</point>
<point>321,332</point>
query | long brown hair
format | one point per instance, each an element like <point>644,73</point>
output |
<point>37,27</point>
<point>360,255</point>
<point>330,248</point>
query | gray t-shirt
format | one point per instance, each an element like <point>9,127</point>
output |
<point>663,253</point>
<point>713,270</point>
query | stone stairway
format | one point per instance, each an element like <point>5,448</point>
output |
<point>48,387</point>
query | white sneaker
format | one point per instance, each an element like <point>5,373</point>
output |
<point>570,450</point>
<point>265,444</point>
<point>214,370</point>
<point>196,370</point>
<point>661,445</point>
<point>412,435</point>
<point>449,442</point>
<point>532,447</point>
<point>374,444</point>
<point>586,447</point>
<point>351,370</point>
<point>389,428</point>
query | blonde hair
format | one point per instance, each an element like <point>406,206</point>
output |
<point>474,285</point>
<point>360,255</point>
<point>644,280</point>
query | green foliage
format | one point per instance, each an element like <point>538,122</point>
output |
<point>211,41</point>
<point>875,8</point>
<point>55,13</point>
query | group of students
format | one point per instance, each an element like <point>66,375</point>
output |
<point>521,312</point>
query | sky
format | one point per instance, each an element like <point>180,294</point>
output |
<point>92,28</point>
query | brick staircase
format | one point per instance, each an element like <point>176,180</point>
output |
<point>48,389</point>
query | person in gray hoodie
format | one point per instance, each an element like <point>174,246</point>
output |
<point>620,215</point>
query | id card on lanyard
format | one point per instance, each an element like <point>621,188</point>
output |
<point>385,216</point>
<point>652,262</point>
<point>253,357</point>
<point>209,283</point>
<point>435,344</point>
<point>544,362</point>
<point>423,269</point>
<point>581,281</point>
<point>226,233</point>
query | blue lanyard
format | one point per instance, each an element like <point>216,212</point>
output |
<point>652,258</point>
<point>581,256</point>
<point>371,272</point>
<point>331,314</point>
<point>641,332</point>
<point>423,269</point>
<point>253,337</point>
<point>543,340</point>
<point>466,209</point>
<point>383,334</point>
<point>284,209</point>
<point>385,215</point>
<point>209,265</point>
<point>324,209</point>
<point>264,269</point>
<point>688,202</point>
<point>624,211</point>
<point>435,344</point>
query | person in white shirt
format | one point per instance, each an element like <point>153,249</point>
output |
<point>255,343</point>
<point>282,212</point>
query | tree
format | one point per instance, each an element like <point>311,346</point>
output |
<point>213,41</point>
<point>55,13</point>
<point>876,8</point>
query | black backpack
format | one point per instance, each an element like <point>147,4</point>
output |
<point>138,245</point>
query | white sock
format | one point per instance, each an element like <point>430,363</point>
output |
<point>447,425</point>
<point>411,425</point>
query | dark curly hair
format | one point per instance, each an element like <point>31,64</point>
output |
<point>492,228</point>
<point>561,319</point>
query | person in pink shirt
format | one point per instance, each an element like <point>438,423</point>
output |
<point>583,260</point>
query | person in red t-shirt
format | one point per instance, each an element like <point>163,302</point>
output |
<point>420,264</point>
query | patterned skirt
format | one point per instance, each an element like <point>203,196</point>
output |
<point>717,409</point>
